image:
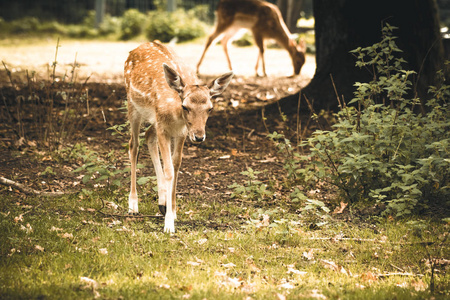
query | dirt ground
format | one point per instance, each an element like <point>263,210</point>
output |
<point>237,134</point>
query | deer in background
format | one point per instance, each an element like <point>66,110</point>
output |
<point>265,22</point>
<point>169,96</point>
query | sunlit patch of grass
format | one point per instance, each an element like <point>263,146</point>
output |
<point>64,248</point>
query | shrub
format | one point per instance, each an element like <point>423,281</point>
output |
<point>181,25</point>
<point>383,150</point>
<point>24,25</point>
<point>132,24</point>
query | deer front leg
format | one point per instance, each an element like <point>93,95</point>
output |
<point>152,143</point>
<point>176,157</point>
<point>133,153</point>
<point>167,182</point>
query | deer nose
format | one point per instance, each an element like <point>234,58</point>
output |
<point>199,139</point>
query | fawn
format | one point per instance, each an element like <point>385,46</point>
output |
<point>169,96</point>
<point>265,22</point>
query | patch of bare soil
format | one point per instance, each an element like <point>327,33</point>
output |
<point>236,136</point>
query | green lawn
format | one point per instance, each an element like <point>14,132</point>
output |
<point>65,248</point>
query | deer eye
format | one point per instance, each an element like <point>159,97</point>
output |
<point>185,108</point>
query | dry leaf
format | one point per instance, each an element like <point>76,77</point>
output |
<point>229,265</point>
<point>164,286</point>
<point>360,286</point>
<point>296,272</point>
<point>286,285</point>
<point>316,294</point>
<point>340,208</point>
<point>18,218</point>
<point>193,263</point>
<point>202,241</point>
<point>281,297</point>
<point>368,277</point>
<point>264,222</point>
<point>89,282</point>
<point>309,255</point>
<point>37,247</point>
<point>66,235</point>
<point>418,285</point>
<point>103,251</point>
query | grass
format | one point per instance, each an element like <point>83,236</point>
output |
<point>54,248</point>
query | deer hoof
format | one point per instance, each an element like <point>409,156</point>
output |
<point>162,209</point>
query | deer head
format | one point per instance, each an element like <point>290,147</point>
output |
<point>196,102</point>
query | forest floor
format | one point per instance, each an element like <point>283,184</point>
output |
<point>235,129</point>
<point>263,246</point>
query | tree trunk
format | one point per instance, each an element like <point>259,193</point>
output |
<point>343,25</point>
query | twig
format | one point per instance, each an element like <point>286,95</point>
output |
<point>299,124</point>
<point>140,216</point>
<point>27,190</point>
<point>423,243</point>
<point>398,274</point>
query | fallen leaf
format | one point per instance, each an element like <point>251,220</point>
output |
<point>316,294</point>
<point>281,297</point>
<point>111,204</point>
<point>202,241</point>
<point>229,265</point>
<point>333,266</point>
<point>360,286</point>
<point>340,208</point>
<point>286,285</point>
<point>164,286</point>
<point>90,282</point>
<point>418,285</point>
<point>309,255</point>
<point>37,247</point>
<point>296,272</point>
<point>66,235</point>
<point>265,222</point>
<point>103,251</point>
<point>193,263</point>
<point>19,218</point>
<point>368,277</point>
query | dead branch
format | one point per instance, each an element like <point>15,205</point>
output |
<point>397,274</point>
<point>423,243</point>
<point>27,190</point>
<point>132,216</point>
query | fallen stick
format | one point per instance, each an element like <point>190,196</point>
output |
<point>140,216</point>
<point>27,190</point>
<point>398,274</point>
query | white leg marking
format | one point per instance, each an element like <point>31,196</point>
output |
<point>132,204</point>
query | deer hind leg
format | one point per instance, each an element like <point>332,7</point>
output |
<point>260,43</point>
<point>211,38</point>
<point>133,153</point>
<point>176,158</point>
<point>226,41</point>
<point>151,139</point>
<point>220,28</point>
<point>166,183</point>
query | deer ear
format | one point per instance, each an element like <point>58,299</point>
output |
<point>173,79</point>
<point>217,86</point>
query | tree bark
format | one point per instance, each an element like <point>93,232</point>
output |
<point>343,25</point>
